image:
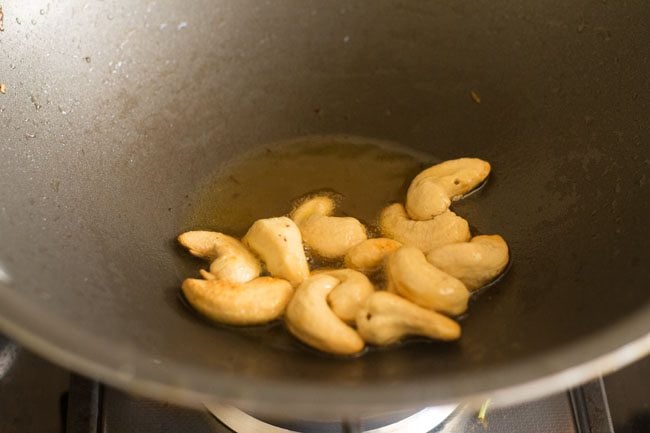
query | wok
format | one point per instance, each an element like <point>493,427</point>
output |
<point>116,111</point>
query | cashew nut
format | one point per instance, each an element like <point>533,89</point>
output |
<point>316,205</point>
<point>432,191</point>
<point>387,318</point>
<point>370,254</point>
<point>278,243</point>
<point>329,237</point>
<point>444,229</point>
<point>257,301</point>
<point>231,260</point>
<point>207,275</point>
<point>346,299</point>
<point>475,263</point>
<point>411,276</point>
<point>311,320</point>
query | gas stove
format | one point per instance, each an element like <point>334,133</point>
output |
<point>37,397</point>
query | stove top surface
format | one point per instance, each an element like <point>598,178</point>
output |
<point>37,396</point>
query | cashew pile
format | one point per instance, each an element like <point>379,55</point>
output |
<point>412,281</point>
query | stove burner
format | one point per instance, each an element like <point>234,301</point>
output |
<point>422,421</point>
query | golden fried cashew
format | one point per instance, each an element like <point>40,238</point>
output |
<point>310,319</point>
<point>316,205</point>
<point>352,291</point>
<point>231,260</point>
<point>328,236</point>
<point>475,263</point>
<point>386,318</point>
<point>444,229</point>
<point>278,243</point>
<point>432,191</point>
<point>207,275</point>
<point>411,276</point>
<point>257,301</point>
<point>370,254</point>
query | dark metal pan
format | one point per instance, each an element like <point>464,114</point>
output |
<point>115,111</point>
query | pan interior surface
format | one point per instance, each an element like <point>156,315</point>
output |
<point>132,108</point>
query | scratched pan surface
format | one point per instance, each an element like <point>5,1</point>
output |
<point>114,112</point>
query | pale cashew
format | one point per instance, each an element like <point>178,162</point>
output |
<point>207,275</point>
<point>387,318</point>
<point>316,205</point>
<point>411,276</point>
<point>231,260</point>
<point>346,299</point>
<point>278,243</point>
<point>327,236</point>
<point>475,263</point>
<point>370,254</point>
<point>444,229</point>
<point>432,191</point>
<point>257,301</point>
<point>311,320</point>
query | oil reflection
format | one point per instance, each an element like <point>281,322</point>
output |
<point>8,355</point>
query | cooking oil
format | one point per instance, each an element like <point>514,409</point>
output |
<point>364,175</point>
